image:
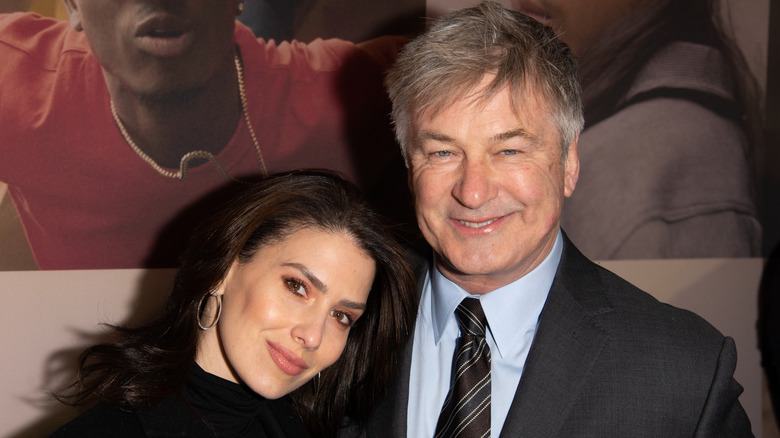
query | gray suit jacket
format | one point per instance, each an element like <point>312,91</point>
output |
<point>608,360</point>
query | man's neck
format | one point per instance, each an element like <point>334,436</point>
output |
<point>166,127</point>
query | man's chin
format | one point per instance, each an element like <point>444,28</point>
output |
<point>170,97</point>
<point>469,264</point>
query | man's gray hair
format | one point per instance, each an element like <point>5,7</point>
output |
<point>450,59</point>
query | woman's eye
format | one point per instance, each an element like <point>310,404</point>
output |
<point>342,317</point>
<point>295,286</point>
<point>510,152</point>
<point>442,154</point>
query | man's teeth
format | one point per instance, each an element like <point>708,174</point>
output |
<point>477,224</point>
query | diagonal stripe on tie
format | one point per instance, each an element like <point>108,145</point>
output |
<point>466,410</point>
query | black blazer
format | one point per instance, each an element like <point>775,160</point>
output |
<point>608,360</point>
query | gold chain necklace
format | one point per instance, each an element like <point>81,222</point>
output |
<point>184,164</point>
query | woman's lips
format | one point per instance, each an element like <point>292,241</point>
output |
<point>286,360</point>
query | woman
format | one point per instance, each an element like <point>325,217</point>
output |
<point>672,130</point>
<point>270,291</point>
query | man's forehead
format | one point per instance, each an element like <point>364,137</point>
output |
<point>527,108</point>
<point>522,99</point>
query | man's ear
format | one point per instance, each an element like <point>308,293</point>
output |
<point>571,170</point>
<point>74,14</point>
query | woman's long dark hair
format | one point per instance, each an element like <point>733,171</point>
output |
<point>146,364</point>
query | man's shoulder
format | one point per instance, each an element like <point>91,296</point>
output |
<point>319,55</point>
<point>316,56</point>
<point>39,38</point>
<point>627,311</point>
<point>642,324</point>
<point>27,31</point>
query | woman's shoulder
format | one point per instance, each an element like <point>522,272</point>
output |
<point>671,128</point>
<point>102,421</point>
<point>684,70</point>
<point>681,95</point>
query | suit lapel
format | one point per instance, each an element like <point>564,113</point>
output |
<point>564,349</point>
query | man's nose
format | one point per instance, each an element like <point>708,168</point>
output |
<point>476,184</point>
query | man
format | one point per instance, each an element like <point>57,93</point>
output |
<point>487,109</point>
<point>113,128</point>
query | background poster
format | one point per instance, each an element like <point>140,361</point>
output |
<point>306,20</point>
<point>724,291</point>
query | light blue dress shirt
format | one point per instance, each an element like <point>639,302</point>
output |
<point>513,315</point>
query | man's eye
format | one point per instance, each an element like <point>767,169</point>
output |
<point>342,317</point>
<point>510,152</point>
<point>442,153</point>
<point>295,286</point>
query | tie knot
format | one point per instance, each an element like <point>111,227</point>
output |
<point>471,317</point>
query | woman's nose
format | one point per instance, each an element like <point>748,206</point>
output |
<point>308,331</point>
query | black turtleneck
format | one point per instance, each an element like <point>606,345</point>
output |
<point>208,406</point>
<point>231,409</point>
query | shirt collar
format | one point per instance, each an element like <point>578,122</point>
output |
<point>507,308</point>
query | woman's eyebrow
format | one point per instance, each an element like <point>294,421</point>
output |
<point>352,305</point>
<point>322,287</point>
<point>309,276</point>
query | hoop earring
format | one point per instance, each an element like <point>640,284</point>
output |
<point>219,310</point>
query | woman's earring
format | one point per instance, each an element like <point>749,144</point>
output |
<point>240,8</point>
<point>219,310</point>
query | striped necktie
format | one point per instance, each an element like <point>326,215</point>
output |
<point>466,411</point>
